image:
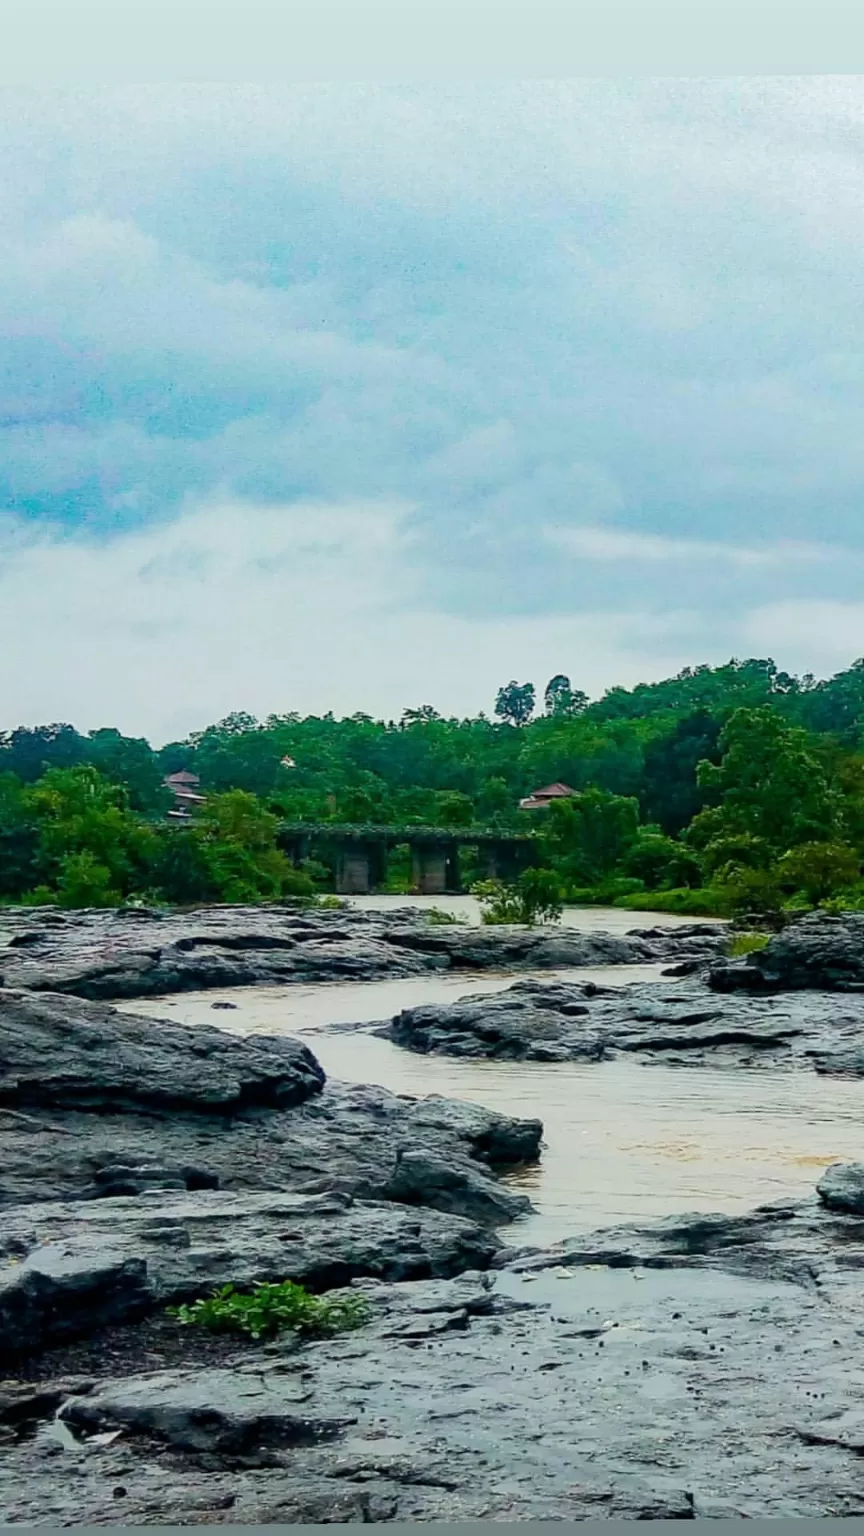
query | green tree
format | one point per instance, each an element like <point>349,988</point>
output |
<point>661,862</point>
<point>238,841</point>
<point>515,703</point>
<point>560,698</point>
<point>83,882</point>
<point>78,812</point>
<point>131,762</point>
<point>819,870</point>
<point>19,839</point>
<point>590,835</point>
<point>454,810</point>
<point>496,803</point>
<point>534,898</point>
<point>771,782</point>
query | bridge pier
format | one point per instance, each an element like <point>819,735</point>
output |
<point>353,870</point>
<point>359,867</point>
<point>428,869</point>
<point>500,861</point>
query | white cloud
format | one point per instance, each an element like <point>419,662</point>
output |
<point>272,608</point>
<point>815,636</point>
<point>613,544</point>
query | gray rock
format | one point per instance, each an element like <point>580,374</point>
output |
<point>819,951</point>
<point>103,955</point>
<point>119,1105</point>
<point>685,1022</point>
<point>70,1268</point>
<point>223,1411</point>
<point>422,1178</point>
<point>602,1396</point>
<point>841,1187</point>
<point>66,1053</point>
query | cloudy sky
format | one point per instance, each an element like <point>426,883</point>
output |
<point>362,397</point>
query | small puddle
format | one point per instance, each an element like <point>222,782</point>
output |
<point>593,1296</point>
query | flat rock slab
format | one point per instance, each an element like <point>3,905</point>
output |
<point>225,1411</point>
<point>684,1021</point>
<point>121,954</point>
<point>70,1268</point>
<point>611,1392</point>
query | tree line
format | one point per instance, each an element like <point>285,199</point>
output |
<point>738,787</point>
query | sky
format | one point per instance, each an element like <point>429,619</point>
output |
<point>360,397</point>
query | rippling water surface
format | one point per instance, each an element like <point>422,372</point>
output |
<point>623,1141</point>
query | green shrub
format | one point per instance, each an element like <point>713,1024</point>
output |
<point>606,894</point>
<point>535,898</point>
<point>747,944</point>
<point>269,1309</point>
<point>440,919</point>
<point>706,902</point>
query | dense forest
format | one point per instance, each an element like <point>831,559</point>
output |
<point>723,789</point>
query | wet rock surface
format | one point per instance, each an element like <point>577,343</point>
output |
<point>820,951</point>
<point>120,954</point>
<point>61,1052</point>
<point>70,1268</point>
<point>697,1368</point>
<point>684,1022</point>
<point>96,1104</point>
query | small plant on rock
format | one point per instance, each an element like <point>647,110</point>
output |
<point>747,944</point>
<point>271,1309</point>
<point>439,918</point>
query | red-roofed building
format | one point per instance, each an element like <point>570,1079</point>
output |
<point>183,786</point>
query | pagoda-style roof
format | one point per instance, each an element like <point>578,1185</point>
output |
<point>543,797</point>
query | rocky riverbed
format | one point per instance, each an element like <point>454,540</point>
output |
<point>700,1366</point>
<point>142,953</point>
<point>686,1023</point>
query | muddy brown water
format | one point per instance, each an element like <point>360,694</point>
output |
<point>624,1141</point>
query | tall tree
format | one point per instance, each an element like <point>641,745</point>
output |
<point>515,703</point>
<point>772,783</point>
<point>560,698</point>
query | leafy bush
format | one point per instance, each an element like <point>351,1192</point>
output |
<point>271,1308</point>
<point>534,898</point>
<point>819,870</point>
<point>747,944</point>
<point>606,894</point>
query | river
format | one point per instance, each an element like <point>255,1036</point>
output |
<point>586,919</point>
<point>623,1141</point>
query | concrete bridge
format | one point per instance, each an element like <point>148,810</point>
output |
<point>359,854</point>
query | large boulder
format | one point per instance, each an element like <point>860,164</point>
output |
<point>579,1021</point>
<point>96,1104</point>
<point>841,1188</point>
<point>68,1054</point>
